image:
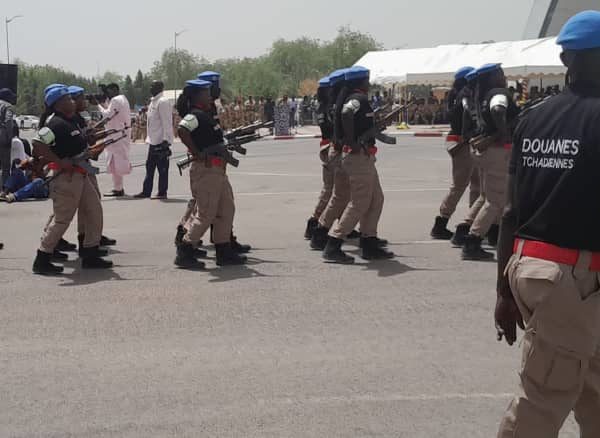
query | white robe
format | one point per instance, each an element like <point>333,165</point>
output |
<point>117,154</point>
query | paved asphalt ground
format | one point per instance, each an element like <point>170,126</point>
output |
<point>285,347</point>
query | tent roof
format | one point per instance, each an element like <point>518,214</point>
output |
<point>436,65</point>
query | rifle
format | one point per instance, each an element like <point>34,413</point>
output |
<point>382,119</point>
<point>94,151</point>
<point>102,123</point>
<point>243,131</point>
<point>218,150</point>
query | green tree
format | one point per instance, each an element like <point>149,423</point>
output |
<point>129,90</point>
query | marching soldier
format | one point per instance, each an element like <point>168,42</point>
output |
<point>496,113</point>
<point>549,250</point>
<point>212,193</point>
<point>215,91</point>
<point>61,143</point>
<point>366,195</point>
<point>463,173</point>
<point>81,104</point>
<point>326,126</point>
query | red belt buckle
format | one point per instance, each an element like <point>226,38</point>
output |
<point>216,162</point>
<point>372,150</point>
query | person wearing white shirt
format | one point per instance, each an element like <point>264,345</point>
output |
<point>159,139</point>
<point>17,149</point>
<point>117,154</point>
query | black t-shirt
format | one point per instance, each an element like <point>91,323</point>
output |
<point>64,136</point>
<point>456,109</point>
<point>324,122</point>
<point>204,128</point>
<point>556,167</point>
<point>363,114</point>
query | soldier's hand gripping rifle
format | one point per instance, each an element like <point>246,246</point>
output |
<point>102,123</point>
<point>244,135</point>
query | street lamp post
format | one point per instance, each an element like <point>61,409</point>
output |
<point>176,35</point>
<point>7,21</point>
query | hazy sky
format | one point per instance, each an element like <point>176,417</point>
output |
<point>91,36</point>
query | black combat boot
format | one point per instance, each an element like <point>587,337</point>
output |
<point>238,247</point>
<point>43,266</point>
<point>472,249</point>
<point>333,252</point>
<point>381,243</point>
<point>65,246</point>
<point>319,238</point>
<point>57,255</point>
<point>91,260</point>
<point>179,235</point>
<point>107,241</point>
<point>185,257</point>
<point>311,225</point>
<point>370,249</point>
<point>228,256</point>
<point>439,230</point>
<point>462,231</point>
<point>493,234</point>
<point>353,235</point>
<point>101,252</point>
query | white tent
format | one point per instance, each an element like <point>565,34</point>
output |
<point>436,65</point>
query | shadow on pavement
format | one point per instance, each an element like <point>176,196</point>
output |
<point>242,272</point>
<point>389,268</point>
<point>81,277</point>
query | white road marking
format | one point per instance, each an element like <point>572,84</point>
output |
<point>392,398</point>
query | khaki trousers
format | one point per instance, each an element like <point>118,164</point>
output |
<point>191,205</point>
<point>81,224</point>
<point>493,163</point>
<point>560,370</point>
<point>328,172</point>
<point>71,193</point>
<point>214,204</point>
<point>341,191</point>
<point>463,175</point>
<point>366,197</point>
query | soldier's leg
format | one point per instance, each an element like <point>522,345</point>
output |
<point>588,406</point>
<point>495,168</point>
<point>559,371</point>
<point>206,186</point>
<point>462,229</point>
<point>359,168</point>
<point>370,245</point>
<point>223,224</point>
<point>474,186</point>
<point>65,192</point>
<point>327,173</point>
<point>91,211</point>
<point>5,164</point>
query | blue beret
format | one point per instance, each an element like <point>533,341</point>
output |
<point>462,73</point>
<point>488,68</point>
<point>54,94</point>
<point>74,90</point>
<point>581,32</point>
<point>198,83</point>
<point>337,76</point>
<point>471,76</point>
<point>325,82</point>
<point>51,86</point>
<point>210,76</point>
<point>357,72</point>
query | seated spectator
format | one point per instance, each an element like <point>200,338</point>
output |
<point>24,183</point>
<point>17,147</point>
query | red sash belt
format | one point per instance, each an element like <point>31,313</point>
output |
<point>56,167</point>
<point>372,150</point>
<point>553,253</point>
<point>454,138</point>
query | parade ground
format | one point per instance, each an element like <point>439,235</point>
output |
<point>287,346</point>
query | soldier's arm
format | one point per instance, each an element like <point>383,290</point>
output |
<point>498,108</point>
<point>348,112</point>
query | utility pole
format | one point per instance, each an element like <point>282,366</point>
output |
<point>7,21</point>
